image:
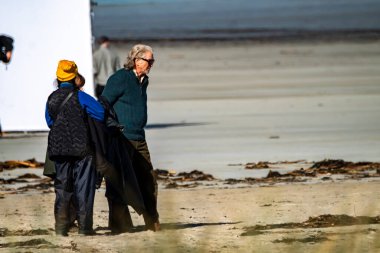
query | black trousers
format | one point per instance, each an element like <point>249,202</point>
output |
<point>74,184</point>
<point>139,153</point>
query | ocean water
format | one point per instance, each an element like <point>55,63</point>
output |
<point>216,19</point>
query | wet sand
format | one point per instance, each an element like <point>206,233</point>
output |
<point>218,107</point>
<point>214,104</point>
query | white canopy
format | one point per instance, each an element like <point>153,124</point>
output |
<point>44,31</point>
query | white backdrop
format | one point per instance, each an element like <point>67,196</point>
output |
<point>44,31</point>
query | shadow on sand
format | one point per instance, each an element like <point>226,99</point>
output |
<point>31,134</point>
<point>167,125</point>
<point>177,226</point>
<point>172,226</point>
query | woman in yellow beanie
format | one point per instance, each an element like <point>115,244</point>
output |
<point>69,148</point>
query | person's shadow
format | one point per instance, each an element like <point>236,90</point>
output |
<point>170,226</point>
<point>179,225</point>
<point>181,124</point>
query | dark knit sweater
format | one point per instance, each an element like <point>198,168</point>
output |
<point>129,99</point>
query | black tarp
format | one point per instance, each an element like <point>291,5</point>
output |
<point>113,162</point>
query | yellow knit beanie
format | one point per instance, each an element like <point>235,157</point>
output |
<point>66,70</point>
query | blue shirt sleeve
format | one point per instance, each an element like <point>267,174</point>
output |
<point>48,119</point>
<point>92,107</point>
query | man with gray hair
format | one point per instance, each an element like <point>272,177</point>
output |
<point>125,91</point>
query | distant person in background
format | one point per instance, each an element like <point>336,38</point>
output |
<point>105,63</point>
<point>69,147</point>
<point>6,48</point>
<point>126,93</point>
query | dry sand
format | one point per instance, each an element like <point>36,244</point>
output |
<point>213,219</point>
<point>216,104</point>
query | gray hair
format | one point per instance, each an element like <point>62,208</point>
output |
<point>137,51</point>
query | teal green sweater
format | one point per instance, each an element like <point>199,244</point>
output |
<point>129,99</point>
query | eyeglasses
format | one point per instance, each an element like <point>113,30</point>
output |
<point>149,61</point>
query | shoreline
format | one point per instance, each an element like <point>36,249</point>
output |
<point>266,36</point>
<point>19,177</point>
<point>269,36</point>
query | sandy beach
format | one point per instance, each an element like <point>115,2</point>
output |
<point>218,107</point>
